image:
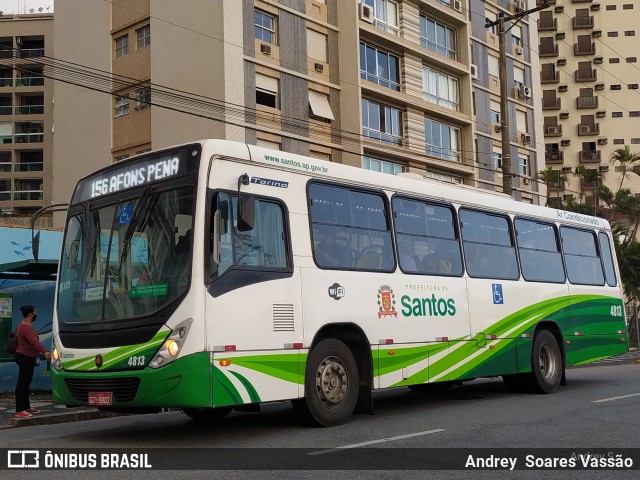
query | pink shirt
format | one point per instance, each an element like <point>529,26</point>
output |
<point>28,341</point>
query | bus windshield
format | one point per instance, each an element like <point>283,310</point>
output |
<point>126,259</point>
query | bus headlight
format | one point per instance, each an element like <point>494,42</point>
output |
<point>169,350</point>
<point>55,356</point>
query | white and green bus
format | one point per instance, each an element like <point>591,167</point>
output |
<point>219,275</point>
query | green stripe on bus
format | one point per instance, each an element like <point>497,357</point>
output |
<point>253,394</point>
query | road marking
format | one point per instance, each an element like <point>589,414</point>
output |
<point>373,442</point>
<point>616,398</point>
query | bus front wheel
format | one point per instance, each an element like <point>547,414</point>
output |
<point>546,363</point>
<point>331,384</point>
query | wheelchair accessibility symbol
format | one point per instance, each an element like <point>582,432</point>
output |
<point>496,289</point>
<point>125,214</point>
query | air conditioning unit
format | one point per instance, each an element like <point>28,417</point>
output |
<point>595,7</point>
<point>599,86</point>
<point>266,49</point>
<point>564,114</point>
<point>604,168</point>
<point>497,128</point>
<point>563,87</point>
<point>566,169</point>
<point>366,13</point>
<point>525,91</point>
<point>559,9</point>
<point>520,6</point>
<point>519,50</point>
<point>457,6</point>
<point>318,67</point>
<point>526,138</point>
<point>552,130</point>
<point>601,113</point>
<point>526,181</point>
<point>561,62</point>
<point>474,71</point>
<point>603,141</point>
<point>565,142</point>
<point>560,35</point>
<point>598,60</point>
<point>596,33</point>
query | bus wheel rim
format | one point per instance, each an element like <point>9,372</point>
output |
<point>332,382</point>
<point>547,362</point>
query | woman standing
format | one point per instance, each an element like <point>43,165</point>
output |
<point>29,347</point>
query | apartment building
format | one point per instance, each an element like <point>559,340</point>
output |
<point>386,85</point>
<point>524,105</point>
<point>590,94</point>
<point>26,115</point>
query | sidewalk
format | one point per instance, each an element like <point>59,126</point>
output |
<point>49,413</point>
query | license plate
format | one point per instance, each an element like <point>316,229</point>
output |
<point>100,399</point>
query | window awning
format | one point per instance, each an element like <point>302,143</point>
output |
<point>319,104</point>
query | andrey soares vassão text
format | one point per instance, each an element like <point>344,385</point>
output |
<point>577,460</point>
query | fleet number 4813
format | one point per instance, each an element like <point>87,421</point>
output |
<point>616,310</point>
<point>136,361</point>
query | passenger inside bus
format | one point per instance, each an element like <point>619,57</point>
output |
<point>333,250</point>
<point>405,256</point>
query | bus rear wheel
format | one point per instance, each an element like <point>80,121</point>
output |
<point>207,414</point>
<point>546,364</point>
<point>331,384</point>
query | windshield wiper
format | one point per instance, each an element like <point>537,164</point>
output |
<point>143,205</point>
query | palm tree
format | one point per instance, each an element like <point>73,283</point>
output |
<point>550,176</point>
<point>626,158</point>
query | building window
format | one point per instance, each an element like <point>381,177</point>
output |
<point>443,177</point>
<point>611,7</point>
<point>122,46</point>
<point>379,66</point>
<point>494,66</point>
<point>616,87</point>
<point>144,36</point>
<point>612,34</point>
<point>634,113</point>
<point>438,37</point>
<point>496,159</point>
<point>121,105</point>
<point>494,113</point>
<point>635,141</point>
<point>381,122</point>
<point>633,86</point>
<point>27,189</point>
<point>317,45</point>
<point>518,76</point>
<point>442,140</point>
<point>265,26</point>
<point>516,34</point>
<point>385,15</point>
<point>143,98</point>
<point>632,59</point>
<point>523,166</point>
<point>627,6</point>
<point>266,91</point>
<point>630,33</point>
<point>616,114</point>
<point>441,89</point>
<point>614,60</point>
<point>618,141</point>
<point>377,165</point>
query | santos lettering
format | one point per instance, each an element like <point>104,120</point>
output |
<point>427,307</point>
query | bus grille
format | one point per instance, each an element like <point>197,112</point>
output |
<point>124,389</point>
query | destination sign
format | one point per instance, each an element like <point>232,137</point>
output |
<point>142,172</point>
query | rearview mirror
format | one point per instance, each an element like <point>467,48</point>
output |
<point>245,213</point>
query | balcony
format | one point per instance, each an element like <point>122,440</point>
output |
<point>29,110</point>
<point>6,52</point>
<point>547,24</point>
<point>5,109</point>
<point>29,81</point>
<point>552,77</point>
<point>584,48</point>
<point>553,131</point>
<point>551,103</point>
<point>548,50</point>
<point>583,22</point>
<point>6,82</point>
<point>587,102</point>
<point>586,75</point>
<point>588,129</point>
<point>542,2</point>
<point>28,195</point>
<point>28,167</point>
<point>554,157</point>
<point>590,156</point>
<point>30,52</point>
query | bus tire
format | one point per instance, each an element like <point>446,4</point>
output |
<point>546,363</point>
<point>331,384</point>
<point>207,414</point>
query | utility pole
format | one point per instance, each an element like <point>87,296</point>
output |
<point>507,176</point>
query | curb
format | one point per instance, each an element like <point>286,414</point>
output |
<point>52,419</point>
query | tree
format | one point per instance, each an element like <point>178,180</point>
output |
<point>627,160</point>
<point>552,177</point>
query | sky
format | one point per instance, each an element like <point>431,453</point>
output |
<point>9,7</point>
